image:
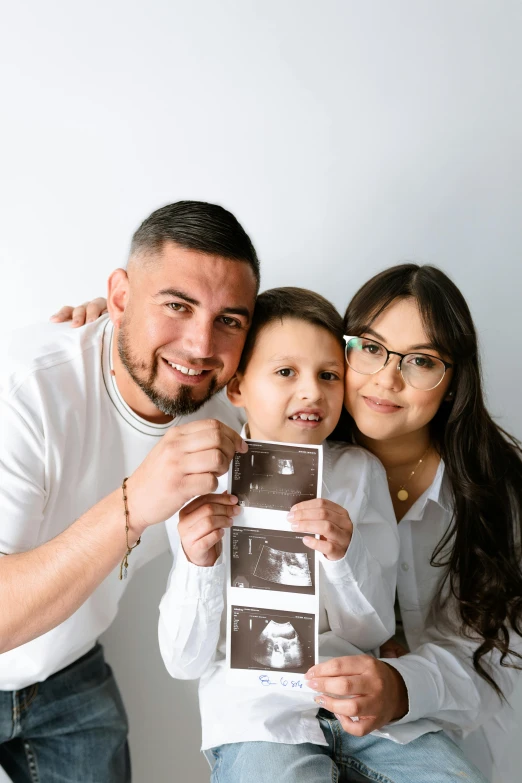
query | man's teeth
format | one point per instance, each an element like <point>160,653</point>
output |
<point>306,417</point>
<point>185,370</point>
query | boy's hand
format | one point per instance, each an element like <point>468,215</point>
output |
<point>329,520</point>
<point>202,524</point>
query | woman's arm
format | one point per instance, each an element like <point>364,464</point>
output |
<point>444,686</point>
<point>436,681</point>
<point>81,314</point>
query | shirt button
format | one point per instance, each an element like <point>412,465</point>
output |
<point>405,566</point>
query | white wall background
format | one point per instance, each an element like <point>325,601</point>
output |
<point>345,136</point>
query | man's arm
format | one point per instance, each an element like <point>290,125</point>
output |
<point>42,587</point>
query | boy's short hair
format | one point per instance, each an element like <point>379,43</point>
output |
<point>290,302</point>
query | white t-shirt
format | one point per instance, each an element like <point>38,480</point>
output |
<point>67,439</point>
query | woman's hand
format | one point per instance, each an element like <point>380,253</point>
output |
<point>360,687</point>
<point>328,520</point>
<point>392,649</point>
<point>82,314</point>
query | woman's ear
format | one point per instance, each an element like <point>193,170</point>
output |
<point>234,391</point>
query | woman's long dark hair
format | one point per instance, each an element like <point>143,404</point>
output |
<point>481,551</point>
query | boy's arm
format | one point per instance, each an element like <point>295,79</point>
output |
<point>191,609</point>
<point>190,616</point>
<point>360,588</point>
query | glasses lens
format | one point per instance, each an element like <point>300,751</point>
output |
<point>365,356</point>
<point>422,371</point>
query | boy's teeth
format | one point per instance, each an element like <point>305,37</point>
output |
<point>306,417</point>
<point>185,370</point>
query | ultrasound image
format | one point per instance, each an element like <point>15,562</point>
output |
<point>271,639</point>
<point>278,646</point>
<point>275,476</point>
<point>287,568</point>
<point>275,560</point>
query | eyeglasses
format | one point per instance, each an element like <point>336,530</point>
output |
<point>420,370</point>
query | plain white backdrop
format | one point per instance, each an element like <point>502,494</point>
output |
<point>345,136</point>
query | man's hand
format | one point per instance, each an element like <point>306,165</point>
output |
<point>186,462</point>
<point>362,687</point>
<point>326,519</point>
<point>202,525</point>
<point>84,313</point>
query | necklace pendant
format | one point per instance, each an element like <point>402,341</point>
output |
<point>402,494</point>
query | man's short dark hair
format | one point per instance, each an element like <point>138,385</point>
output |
<point>196,225</point>
<point>300,304</point>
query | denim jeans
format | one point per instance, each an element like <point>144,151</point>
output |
<point>432,758</point>
<point>71,728</point>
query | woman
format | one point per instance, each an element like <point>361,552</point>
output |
<point>414,399</point>
<point>456,483</point>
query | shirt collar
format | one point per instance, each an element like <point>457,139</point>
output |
<point>438,492</point>
<point>126,413</point>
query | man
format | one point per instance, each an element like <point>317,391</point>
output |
<point>128,396</point>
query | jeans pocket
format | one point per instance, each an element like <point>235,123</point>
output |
<point>214,758</point>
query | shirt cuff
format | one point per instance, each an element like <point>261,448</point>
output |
<point>345,568</point>
<point>420,680</point>
<point>197,581</point>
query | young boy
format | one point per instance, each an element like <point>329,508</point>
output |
<point>290,383</point>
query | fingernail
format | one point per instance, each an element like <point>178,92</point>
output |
<point>53,318</point>
<point>236,510</point>
<point>295,526</point>
<point>309,675</point>
<point>90,320</point>
<point>233,499</point>
<point>291,515</point>
<point>319,700</point>
<point>313,684</point>
<point>76,320</point>
<point>244,445</point>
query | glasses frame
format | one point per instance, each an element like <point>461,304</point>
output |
<point>402,356</point>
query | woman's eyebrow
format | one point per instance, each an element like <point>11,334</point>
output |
<point>422,347</point>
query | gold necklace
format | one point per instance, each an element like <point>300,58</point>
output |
<point>403,493</point>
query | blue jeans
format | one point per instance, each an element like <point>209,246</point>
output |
<point>432,758</point>
<point>71,728</point>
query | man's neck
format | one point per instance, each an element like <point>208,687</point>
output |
<point>135,398</point>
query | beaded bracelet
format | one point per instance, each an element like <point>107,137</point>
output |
<point>125,563</point>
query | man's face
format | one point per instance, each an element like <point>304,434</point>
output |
<point>185,320</point>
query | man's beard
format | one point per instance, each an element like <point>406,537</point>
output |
<point>182,404</point>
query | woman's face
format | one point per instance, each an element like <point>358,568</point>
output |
<point>382,405</point>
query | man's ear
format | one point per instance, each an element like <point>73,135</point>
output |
<point>117,295</point>
<point>234,391</point>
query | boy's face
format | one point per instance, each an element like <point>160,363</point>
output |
<point>292,389</point>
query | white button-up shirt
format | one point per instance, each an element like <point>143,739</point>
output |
<point>444,690</point>
<point>356,611</point>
